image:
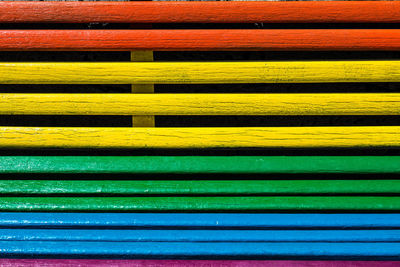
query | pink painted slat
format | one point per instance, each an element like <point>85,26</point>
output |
<point>191,263</point>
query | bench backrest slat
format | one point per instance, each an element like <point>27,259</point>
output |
<point>201,40</point>
<point>201,12</point>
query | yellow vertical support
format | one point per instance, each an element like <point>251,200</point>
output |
<point>142,56</point>
<point>142,121</point>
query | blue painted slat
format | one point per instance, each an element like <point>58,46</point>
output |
<point>201,235</point>
<point>189,220</point>
<point>187,249</point>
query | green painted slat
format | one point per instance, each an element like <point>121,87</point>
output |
<point>200,164</point>
<point>200,187</point>
<point>198,203</point>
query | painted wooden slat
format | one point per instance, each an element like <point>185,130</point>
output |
<point>202,12</point>
<point>201,104</point>
<point>199,72</point>
<point>188,249</point>
<point>199,220</point>
<point>199,164</point>
<point>229,187</point>
<point>231,39</point>
<point>200,235</point>
<point>191,263</point>
<point>220,203</point>
<point>200,137</point>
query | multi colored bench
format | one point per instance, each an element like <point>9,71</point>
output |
<point>92,192</point>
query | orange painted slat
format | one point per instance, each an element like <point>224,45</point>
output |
<point>202,12</point>
<point>343,39</point>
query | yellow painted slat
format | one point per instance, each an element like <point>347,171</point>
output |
<point>201,104</point>
<point>200,72</point>
<point>193,137</point>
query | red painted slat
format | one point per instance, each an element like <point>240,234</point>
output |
<point>354,39</point>
<point>202,12</point>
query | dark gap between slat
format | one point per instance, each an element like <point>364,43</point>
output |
<point>273,55</point>
<point>65,121</point>
<point>262,25</point>
<point>198,176</point>
<point>118,56</point>
<point>275,121</point>
<point>66,88</point>
<point>256,25</point>
<point>63,56</point>
<point>280,88</point>
<point>62,26</point>
<point>249,151</point>
<point>199,195</point>
<point>230,211</point>
<point>197,121</point>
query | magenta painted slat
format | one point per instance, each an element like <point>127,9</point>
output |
<point>187,263</point>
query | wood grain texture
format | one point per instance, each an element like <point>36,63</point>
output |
<point>191,263</point>
<point>199,72</point>
<point>200,164</point>
<point>338,221</point>
<point>185,250</point>
<point>201,12</point>
<point>126,235</point>
<point>204,40</point>
<point>219,204</point>
<point>199,137</point>
<point>201,187</point>
<point>201,104</point>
